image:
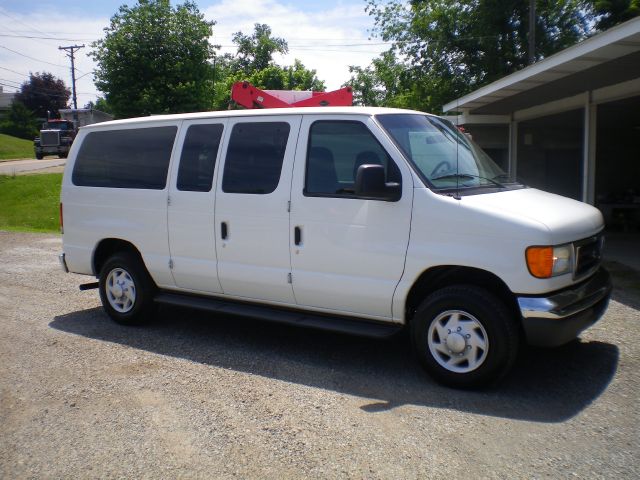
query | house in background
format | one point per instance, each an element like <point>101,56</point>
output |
<point>569,124</point>
<point>5,102</point>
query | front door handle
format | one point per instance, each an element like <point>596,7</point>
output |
<point>297,236</point>
<point>224,233</point>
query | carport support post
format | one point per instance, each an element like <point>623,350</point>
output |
<point>513,147</point>
<point>589,150</point>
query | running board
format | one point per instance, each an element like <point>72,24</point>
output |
<point>349,326</point>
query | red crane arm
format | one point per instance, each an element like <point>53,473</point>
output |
<point>249,96</point>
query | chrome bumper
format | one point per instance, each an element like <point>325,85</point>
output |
<point>560,317</point>
<point>63,262</point>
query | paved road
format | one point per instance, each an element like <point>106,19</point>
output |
<point>196,396</point>
<point>16,167</point>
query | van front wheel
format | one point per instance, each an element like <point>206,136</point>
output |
<point>464,336</point>
<point>126,289</point>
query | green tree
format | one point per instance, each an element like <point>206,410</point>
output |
<point>255,51</point>
<point>154,59</point>
<point>100,104</point>
<point>612,12</point>
<point>295,77</point>
<point>452,47</point>
<point>20,122</point>
<point>386,82</point>
<point>254,62</point>
<point>43,93</point>
<point>299,77</point>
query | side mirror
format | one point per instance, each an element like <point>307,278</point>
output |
<point>370,183</point>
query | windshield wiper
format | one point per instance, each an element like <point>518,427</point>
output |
<point>507,177</point>
<point>467,176</point>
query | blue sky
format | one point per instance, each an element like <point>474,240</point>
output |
<point>326,35</point>
<point>101,8</point>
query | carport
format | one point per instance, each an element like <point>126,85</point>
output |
<point>570,123</point>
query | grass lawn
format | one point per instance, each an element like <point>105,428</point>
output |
<point>13,147</point>
<point>30,203</point>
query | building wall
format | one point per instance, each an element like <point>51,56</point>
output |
<point>5,102</point>
<point>550,153</point>
<point>493,139</point>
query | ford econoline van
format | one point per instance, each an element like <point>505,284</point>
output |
<point>359,220</point>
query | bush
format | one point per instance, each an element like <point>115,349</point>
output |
<point>20,122</point>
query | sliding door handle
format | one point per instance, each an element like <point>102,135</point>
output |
<point>297,236</point>
<point>224,233</point>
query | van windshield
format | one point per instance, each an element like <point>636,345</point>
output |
<point>444,157</point>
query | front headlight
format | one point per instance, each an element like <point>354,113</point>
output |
<point>546,262</point>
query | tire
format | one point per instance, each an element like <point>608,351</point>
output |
<point>62,155</point>
<point>126,289</point>
<point>464,337</point>
<point>39,156</point>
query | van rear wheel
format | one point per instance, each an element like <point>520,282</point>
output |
<point>126,289</point>
<point>464,336</point>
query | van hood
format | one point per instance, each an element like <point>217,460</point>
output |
<point>566,219</point>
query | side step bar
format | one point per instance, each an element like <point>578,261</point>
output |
<point>349,326</point>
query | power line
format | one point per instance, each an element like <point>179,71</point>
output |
<point>11,81</point>
<point>30,27</point>
<point>366,44</point>
<point>13,71</point>
<point>49,93</point>
<point>7,85</point>
<point>42,38</point>
<point>32,58</point>
<point>83,75</point>
<point>27,75</point>
<point>43,91</point>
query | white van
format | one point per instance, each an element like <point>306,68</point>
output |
<point>360,220</point>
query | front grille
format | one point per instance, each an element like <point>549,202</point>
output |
<point>50,139</point>
<point>588,255</point>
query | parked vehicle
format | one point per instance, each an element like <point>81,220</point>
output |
<point>57,135</point>
<point>360,220</point>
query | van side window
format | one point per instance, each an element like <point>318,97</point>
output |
<point>335,152</point>
<point>254,157</point>
<point>198,158</point>
<point>131,158</point>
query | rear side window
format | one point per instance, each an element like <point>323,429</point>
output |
<point>254,157</point>
<point>198,158</point>
<point>336,150</point>
<point>132,158</point>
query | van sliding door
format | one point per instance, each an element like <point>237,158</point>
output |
<point>191,206</point>
<point>252,214</point>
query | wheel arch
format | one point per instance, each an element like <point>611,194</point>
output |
<point>107,247</point>
<point>442,276</point>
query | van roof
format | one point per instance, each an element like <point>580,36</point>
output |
<point>368,111</point>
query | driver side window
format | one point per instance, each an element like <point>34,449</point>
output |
<point>335,152</point>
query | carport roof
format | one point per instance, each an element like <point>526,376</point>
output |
<point>605,59</point>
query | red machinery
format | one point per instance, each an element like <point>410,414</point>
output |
<point>245,94</point>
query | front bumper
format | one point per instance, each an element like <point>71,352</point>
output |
<point>54,149</point>
<point>558,318</point>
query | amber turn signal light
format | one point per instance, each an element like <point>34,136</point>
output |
<point>540,261</point>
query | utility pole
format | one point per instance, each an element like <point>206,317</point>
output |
<point>532,32</point>
<point>71,50</point>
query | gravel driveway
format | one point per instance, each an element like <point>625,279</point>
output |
<point>195,396</point>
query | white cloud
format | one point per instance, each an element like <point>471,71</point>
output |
<point>327,41</point>
<point>33,53</point>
